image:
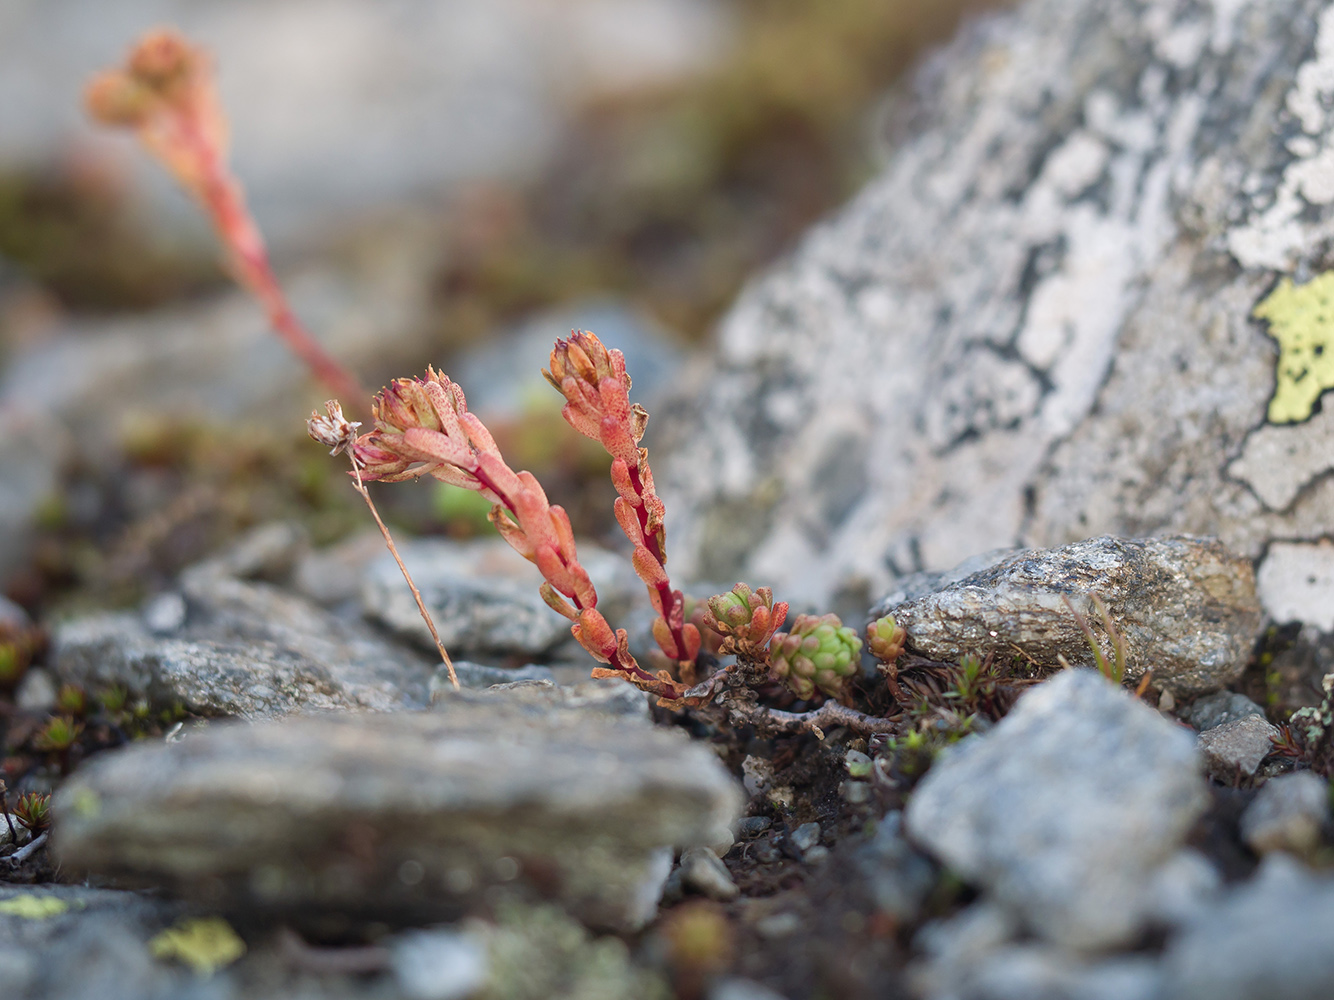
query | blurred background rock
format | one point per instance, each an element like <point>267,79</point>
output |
<point>438,180</point>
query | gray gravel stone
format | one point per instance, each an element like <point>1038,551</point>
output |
<point>896,875</point>
<point>805,836</point>
<point>1289,813</point>
<point>1268,938</point>
<point>1040,972</point>
<point>1035,324</point>
<point>246,648</point>
<point>1185,606</point>
<point>1237,747</point>
<point>325,814</point>
<point>1220,707</point>
<point>1068,812</point>
<point>36,691</point>
<point>483,595</point>
<point>438,964</point>
<point>703,871</point>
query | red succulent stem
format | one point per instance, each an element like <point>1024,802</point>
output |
<point>612,652</point>
<point>673,601</point>
<point>221,197</point>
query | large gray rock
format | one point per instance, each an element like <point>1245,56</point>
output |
<point>1267,938</point>
<point>242,646</point>
<point>407,816</point>
<point>1035,325</point>
<point>1071,812</point>
<point>1186,608</point>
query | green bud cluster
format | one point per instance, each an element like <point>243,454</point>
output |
<point>885,638</point>
<point>820,651</point>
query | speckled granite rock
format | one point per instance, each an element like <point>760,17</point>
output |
<point>1035,324</point>
<point>1186,607</point>
<point>407,816</point>
<point>1071,813</point>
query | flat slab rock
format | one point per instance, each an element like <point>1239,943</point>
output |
<point>1186,606</point>
<point>225,645</point>
<point>1071,813</point>
<point>405,816</point>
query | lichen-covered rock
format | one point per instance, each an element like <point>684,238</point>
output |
<point>1052,315</point>
<point>1071,813</point>
<point>407,817</point>
<point>1186,608</point>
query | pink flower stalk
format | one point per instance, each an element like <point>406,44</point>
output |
<point>423,427</point>
<point>166,93</point>
<point>594,382</point>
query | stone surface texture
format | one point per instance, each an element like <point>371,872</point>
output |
<point>1289,813</point>
<point>1034,325</point>
<point>1237,747</point>
<point>1185,606</point>
<point>1071,812</point>
<point>404,816</point>
<point>1268,938</point>
<point>245,647</point>
<point>1218,708</point>
<point>484,596</point>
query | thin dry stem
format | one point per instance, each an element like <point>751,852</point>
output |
<point>416,594</point>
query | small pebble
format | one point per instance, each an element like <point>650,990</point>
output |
<point>857,764</point>
<point>1218,708</point>
<point>741,989</point>
<point>855,793</point>
<point>753,826</point>
<point>806,836</point>
<point>1287,814</point>
<point>778,925</point>
<point>704,872</point>
<point>438,965</point>
<point>36,692</point>
<point>765,852</point>
<point>816,855</point>
<point>1237,746</point>
<point>165,613</point>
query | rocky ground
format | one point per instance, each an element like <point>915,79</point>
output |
<point>232,762</point>
<point>284,796</point>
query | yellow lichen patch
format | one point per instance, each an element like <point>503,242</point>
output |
<point>33,907</point>
<point>205,944</point>
<point>1301,319</point>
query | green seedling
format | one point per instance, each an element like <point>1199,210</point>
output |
<point>1115,668</point>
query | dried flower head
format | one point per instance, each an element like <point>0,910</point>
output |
<point>334,431</point>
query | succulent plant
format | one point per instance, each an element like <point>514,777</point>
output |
<point>820,651</point>
<point>34,811</point>
<point>746,619</point>
<point>71,700</point>
<point>58,736</point>
<point>885,638</point>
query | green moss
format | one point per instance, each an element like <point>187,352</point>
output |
<point>540,953</point>
<point>1301,319</point>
